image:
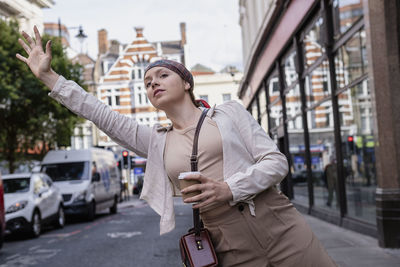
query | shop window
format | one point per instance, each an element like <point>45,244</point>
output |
<point>351,60</point>
<point>298,168</point>
<point>358,147</point>
<point>263,109</point>
<point>275,114</point>
<point>254,111</point>
<point>317,84</point>
<point>313,45</point>
<point>293,102</point>
<point>273,88</point>
<point>345,14</point>
<point>289,67</point>
<point>323,156</point>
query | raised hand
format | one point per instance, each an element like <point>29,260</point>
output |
<point>39,61</point>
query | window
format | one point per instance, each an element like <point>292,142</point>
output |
<point>133,74</point>
<point>345,14</point>
<point>109,101</point>
<point>289,67</point>
<point>226,97</point>
<point>313,45</point>
<point>204,97</point>
<point>139,74</point>
<point>140,98</point>
<point>351,59</point>
<point>117,100</point>
<point>147,99</point>
<point>358,147</point>
<point>317,84</point>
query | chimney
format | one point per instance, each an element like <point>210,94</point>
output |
<point>102,41</point>
<point>183,33</point>
<point>139,32</point>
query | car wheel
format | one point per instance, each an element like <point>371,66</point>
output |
<point>36,224</point>
<point>114,207</point>
<point>91,214</point>
<point>60,220</point>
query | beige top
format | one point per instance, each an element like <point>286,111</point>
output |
<point>178,149</point>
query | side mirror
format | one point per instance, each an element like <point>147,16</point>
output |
<point>96,177</point>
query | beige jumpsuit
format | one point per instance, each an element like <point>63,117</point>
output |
<point>277,236</point>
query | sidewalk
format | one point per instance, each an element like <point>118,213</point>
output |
<point>351,249</point>
<point>347,248</point>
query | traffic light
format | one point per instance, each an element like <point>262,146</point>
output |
<point>125,159</point>
<point>350,142</point>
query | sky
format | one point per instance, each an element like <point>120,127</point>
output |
<point>212,26</point>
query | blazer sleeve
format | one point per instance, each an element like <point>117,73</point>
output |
<point>123,130</point>
<point>270,165</point>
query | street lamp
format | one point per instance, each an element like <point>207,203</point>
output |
<point>81,36</point>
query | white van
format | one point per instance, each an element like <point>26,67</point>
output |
<point>88,179</point>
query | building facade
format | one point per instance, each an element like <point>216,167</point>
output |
<point>321,77</point>
<point>216,88</point>
<point>27,13</point>
<point>122,84</point>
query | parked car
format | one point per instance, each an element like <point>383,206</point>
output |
<point>88,179</point>
<point>31,201</point>
<point>2,215</point>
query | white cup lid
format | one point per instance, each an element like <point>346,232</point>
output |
<point>182,175</point>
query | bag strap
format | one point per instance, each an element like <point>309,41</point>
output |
<point>194,167</point>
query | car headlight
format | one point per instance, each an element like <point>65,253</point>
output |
<point>80,196</point>
<point>17,206</point>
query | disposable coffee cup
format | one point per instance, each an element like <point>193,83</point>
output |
<point>183,183</point>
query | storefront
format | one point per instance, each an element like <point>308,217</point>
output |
<point>311,85</point>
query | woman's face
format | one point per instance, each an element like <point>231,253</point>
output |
<point>165,87</point>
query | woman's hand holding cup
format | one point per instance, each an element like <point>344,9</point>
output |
<point>204,191</point>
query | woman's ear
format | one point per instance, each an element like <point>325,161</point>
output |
<point>187,86</point>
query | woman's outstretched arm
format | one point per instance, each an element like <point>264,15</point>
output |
<point>122,129</point>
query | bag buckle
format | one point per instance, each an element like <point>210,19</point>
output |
<point>199,245</point>
<point>193,158</point>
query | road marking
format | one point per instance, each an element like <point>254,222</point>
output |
<point>119,221</point>
<point>34,257</point>
<point>62,234</point>
<point>124,234</point>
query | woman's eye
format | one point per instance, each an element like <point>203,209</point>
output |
<point>164,75</point>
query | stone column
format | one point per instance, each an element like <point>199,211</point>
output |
<point>382,23</point>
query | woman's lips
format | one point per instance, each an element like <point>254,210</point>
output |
<point>156,92</point>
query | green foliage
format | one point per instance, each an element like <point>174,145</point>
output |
<point>28,116</point>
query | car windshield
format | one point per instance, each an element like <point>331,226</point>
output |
<point>19,185</point>
<point>67,171</point>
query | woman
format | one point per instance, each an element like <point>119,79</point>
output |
<point>250,222</point>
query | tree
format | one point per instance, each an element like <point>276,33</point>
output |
<point>29,118</point>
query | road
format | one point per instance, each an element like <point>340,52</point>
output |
<point>128,238</point>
